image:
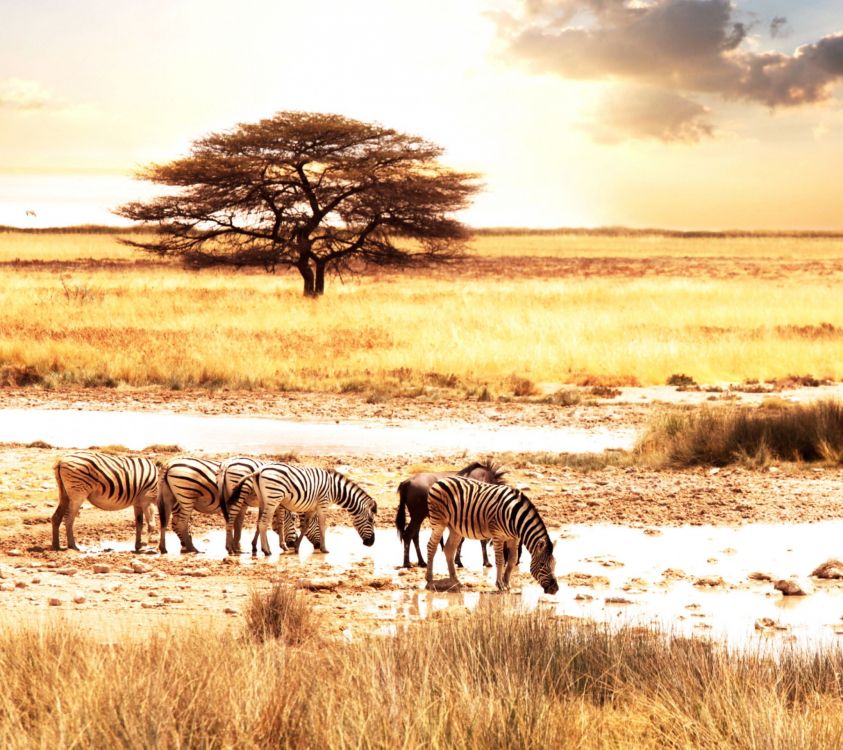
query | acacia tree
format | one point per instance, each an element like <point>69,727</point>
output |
<point>313,191</point>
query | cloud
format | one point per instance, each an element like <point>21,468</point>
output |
<point>779,27</point>
<point>22,95</point>
<point>680,46</point>
<point>649,114</point>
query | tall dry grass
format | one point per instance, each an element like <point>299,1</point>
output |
<point>724,435</point>
<point>480,337</point>
<point>491,679</point>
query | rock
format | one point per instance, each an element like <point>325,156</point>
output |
<point>199,572</point>
<point>78,598</point>
<point>21,584</point>
<point>617,600</point>
<point>125,569</point>
<point>652,532</point>
<point>67,571</point>
<point>7,586</point>
<point>230,611</point>
<point>318,584</point>
<point>793,587</point>
<point>584,579</point>
<point>830,569</point>
<point>139,567</point>
<point>380,583</point>
<point>765,623</point>
<point>583,597</point>
<point>173,599</point>
<point>674,574</point>
<point>15,553</point>
<point>35,580</point>
<point>759,576</point>
<point>102,568</point>
<point>150,605</point>
<point>710,581</point>
<point>54,601</point>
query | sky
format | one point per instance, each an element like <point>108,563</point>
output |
<point>690,114</point>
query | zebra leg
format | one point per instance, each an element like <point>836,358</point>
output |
<point>451,547</point>
<point>58,516</point>
<point>265,514</point>
<point>458,558</point>
<point>69,518</point>
<point>323,526</point>
<point>432,544</point>
<point>140,512</point>
<point>499,563</point>
<point>512,558</point>
<point>181,525</point>
<point>484,545</point>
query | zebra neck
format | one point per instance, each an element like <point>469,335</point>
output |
<point>342,491</point>
<point>531,528</point>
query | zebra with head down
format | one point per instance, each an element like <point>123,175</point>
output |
<point>309,491</point>
<point>487,511</point>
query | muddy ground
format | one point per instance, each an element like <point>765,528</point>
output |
<point>357,593</point>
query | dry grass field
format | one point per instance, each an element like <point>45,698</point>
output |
<point>494,679</point>
<point>521,315</point>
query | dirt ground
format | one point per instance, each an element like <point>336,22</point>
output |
<point>355,594</point>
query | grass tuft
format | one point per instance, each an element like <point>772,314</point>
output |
<point>284,613</point>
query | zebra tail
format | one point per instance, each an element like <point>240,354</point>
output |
<point>62,491</point>
<point>163,507</point>
<point>401,513</point>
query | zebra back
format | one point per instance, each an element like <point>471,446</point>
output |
<point>116,479</point>
<point>232,472</point>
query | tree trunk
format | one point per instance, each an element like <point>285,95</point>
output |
<point>307,275</point>
<point>319,285</point>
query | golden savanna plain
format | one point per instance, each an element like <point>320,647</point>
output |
<point>520,314</point>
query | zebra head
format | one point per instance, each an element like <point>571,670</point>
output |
<point>364,520</point>
<point>360,504</point>
<point>543,566</point>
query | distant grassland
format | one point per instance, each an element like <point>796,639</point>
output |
<point>507,321</point>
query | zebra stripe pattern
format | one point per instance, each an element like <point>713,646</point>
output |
<point>488,511</point>
<point>187,485</point>
<point>108,482</point>
<point>310,491</point>
<point>235,470</point>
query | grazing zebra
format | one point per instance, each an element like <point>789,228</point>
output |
<point>108,482</point>
<point>232,471</point>
<point>186,485</point>
<point>309,491</point>
<point>480,511</point>
<point>412,496</point>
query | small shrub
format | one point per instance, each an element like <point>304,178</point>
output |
<point>522,386</point>
<point>290,457</point>
<point>39,444</point>
<point>604,391</point>
<point>564,397</point>
<point>441,380</point>
<point>283,613</point>
<point>16,376</point>
<point>681,380</point>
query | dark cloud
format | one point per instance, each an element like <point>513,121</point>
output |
<point>646,113</point>
<point>681,46</point>
<point>779,27</point>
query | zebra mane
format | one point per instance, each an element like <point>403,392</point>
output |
<point>492,467</point>
<point>546,534</point>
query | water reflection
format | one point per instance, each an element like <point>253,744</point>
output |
<point>650,575</point>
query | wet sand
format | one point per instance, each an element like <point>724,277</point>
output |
<point>619,531</point>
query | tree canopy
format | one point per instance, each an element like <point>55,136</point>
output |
<point>316,192</point>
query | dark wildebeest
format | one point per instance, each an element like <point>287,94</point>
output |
<point>412,494</point>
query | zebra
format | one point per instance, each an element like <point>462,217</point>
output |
<point>480,511</point>
<point>232,471</point>
<point>412,497</point>
<point>309,491</point>
<point>187,484</point>
<point>108,482</point>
